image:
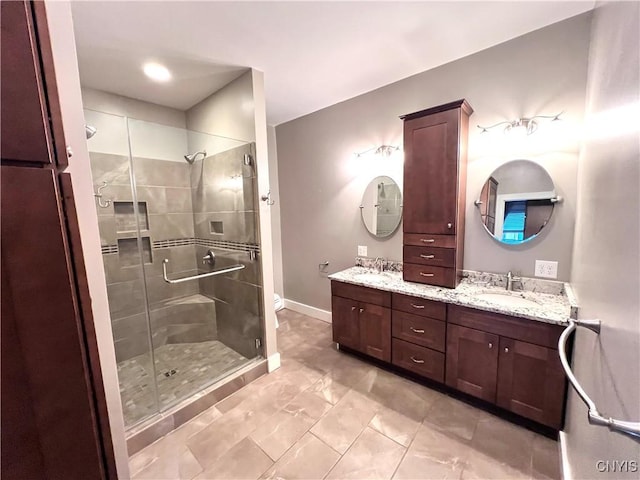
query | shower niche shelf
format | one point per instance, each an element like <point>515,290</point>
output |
<point>126,216</point>
<point>128,251</point>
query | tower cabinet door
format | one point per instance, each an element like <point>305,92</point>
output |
<point>472,361</point>
<point>531,381</point>
<point>431,173</point>
<point>345,322</point>
<point>375,331</point>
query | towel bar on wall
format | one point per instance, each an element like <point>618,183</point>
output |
<point>233,268</point>
<point>595,418</point>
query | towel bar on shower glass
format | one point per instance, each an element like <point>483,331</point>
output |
<point>232,268</point>
<point>595,418</point>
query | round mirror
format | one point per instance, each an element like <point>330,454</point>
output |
<point>381,207</point>
<point>517,201</point>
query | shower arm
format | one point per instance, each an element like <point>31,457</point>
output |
<point>233,268</point>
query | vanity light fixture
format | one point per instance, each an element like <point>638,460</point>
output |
<point>157,72</point>
<point>381,151</point>
<point>528,125</point>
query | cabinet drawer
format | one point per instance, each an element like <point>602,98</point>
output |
<point>419,306</point>
<point>420,330</point>
<point>361,294</point>
<point>439,257</point>
<point>423,361</point>
<point>443,277</point>
<point>429,240</point>
<point>538,333</point>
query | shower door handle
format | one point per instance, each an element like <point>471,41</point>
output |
<point>232,268</point>
<point>267,198</point>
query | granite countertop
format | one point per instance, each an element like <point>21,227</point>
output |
<point>556,303</point>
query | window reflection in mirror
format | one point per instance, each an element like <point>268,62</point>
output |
<point>381,206</point>
<point>516,201</point>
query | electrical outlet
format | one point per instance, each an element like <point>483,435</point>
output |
<point>362,250</point>
<point>546,269</point>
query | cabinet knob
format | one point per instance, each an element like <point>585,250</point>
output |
<point>449,225</point>
<point>353,308</point>
<point>490,345</point>
<point>506,349</point>
<point>361,310</point>
<point>416,360</point>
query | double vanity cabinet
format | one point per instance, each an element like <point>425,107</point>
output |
<point>507,361</point>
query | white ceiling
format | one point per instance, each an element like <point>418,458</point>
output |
<point>313,54</point>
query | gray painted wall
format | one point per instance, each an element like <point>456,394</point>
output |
<point>276,233</point>
<point>322,180</point>
<point>606,259</point>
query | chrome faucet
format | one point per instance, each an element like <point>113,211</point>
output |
<point>380,263</point>
<point>511,279</point>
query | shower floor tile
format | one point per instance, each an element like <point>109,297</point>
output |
<point>182,369</point>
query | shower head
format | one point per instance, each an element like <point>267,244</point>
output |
<point>90,131</point>
<point>192,156</point>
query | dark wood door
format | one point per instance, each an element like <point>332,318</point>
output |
<point>431,173</point>
<point>375,331</point>
<point>25,134</point>
<point>472,361</point>
<point>531,382</point>
<point>345,322</point>
<point>38,280</point>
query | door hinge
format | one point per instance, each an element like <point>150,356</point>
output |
<point>258,343</point>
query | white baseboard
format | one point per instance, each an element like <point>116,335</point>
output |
<point>273,362</point>
<point>324,315</point>
<point>565,467</point>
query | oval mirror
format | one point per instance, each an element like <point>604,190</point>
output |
<point>517,201</point>
<point>381,207</point>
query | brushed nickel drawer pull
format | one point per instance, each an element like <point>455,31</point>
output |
<point>427,256</point>
<point>427,274</point>
<point>414,360</point>
<point>449,225</point>
<point>427,240</point>
<point>506,349</point>
<point>490,345</point>
<point>417,330</point>
<point>420,307</point>
<point>361,310</point>
<point>353,308</point>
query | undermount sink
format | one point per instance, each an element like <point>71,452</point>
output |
<point>506,300</point>
<point>370,277</point>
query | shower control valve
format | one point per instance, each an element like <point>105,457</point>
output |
<point>209,258</point>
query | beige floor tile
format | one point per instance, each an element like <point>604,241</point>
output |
<point>433,455</point>
<point>344,423</point>
<point>245,461</point>
<point>482,467</point>
<point>395,425</point>
<point>504,442</point>
<point>454,417</point>
<point>307,405</point>
<point>309,458</point>
<point>280,432</point>
<point>546,459</point>
<point>177,463</point>
<point>372,456</point>
<point>328,389</point>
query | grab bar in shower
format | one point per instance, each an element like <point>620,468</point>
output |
<point>233,268</point>
<point>594,416</point>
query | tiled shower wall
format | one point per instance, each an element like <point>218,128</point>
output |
<point>224,207</point>
<point>177,312</point>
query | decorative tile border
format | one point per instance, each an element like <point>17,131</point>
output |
<point>202,242</point>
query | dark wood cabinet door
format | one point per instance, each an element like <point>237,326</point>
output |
<point>375,331</point>
<point>25,134</point>
<point>531,382</point>
<point>345,322</point>
<point>431,173</point>
<point>472,361</point>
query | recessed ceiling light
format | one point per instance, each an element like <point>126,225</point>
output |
<point>157,72</point>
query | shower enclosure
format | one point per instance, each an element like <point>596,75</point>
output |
<point>178,220</point>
